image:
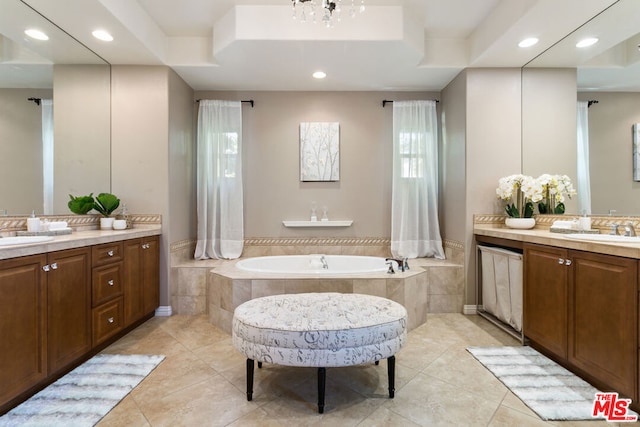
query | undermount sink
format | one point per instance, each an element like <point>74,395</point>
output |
<point>24,240</point>
<point>611,238</point>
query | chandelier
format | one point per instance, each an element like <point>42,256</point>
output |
<point>330,10</point>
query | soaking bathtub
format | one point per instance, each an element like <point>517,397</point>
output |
<point>314,264</point>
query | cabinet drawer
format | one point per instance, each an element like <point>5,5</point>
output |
<point>107,320</point>
<point>106,253</point>
<point>106,283</point>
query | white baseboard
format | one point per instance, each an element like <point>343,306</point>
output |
<point>163,311</point>
<point>470,309</point>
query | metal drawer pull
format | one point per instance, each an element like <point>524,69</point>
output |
<point>560,261</point>
<point>54,266</point>
<point>110,253</point>
<point>145,246</point>
<point>567,262</point>
<point>110,282</point>
<point>110,319</point>
<point>45,267</point>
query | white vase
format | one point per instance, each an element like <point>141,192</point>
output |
<point>106,223</point>
<point>520,223</point>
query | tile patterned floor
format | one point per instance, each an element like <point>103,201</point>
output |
<point>202,382</point>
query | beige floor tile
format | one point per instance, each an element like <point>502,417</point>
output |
<point>428,401</point>
<point>507,417</point>
<point>460,369</point>
<point>382,417</point>
<point>126,413</point>
<point>203,382</point>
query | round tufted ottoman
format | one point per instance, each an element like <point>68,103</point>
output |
<point>319,330</point>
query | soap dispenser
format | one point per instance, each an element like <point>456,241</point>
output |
<point>33,223</point>
<point>124,214</point>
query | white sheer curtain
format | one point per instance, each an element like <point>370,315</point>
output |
<point>47,155</point>
<point>415,230</point>
<point>584,182</point>
<point>219,180</point>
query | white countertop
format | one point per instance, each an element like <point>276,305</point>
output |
<point>543,236</point>
<point>78,239</point>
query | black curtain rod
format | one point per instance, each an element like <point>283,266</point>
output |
<point>36,100</point>
<point>591,102</point>
<point>385,101</point>
<point>250,101</point>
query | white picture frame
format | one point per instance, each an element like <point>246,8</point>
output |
<point>319,151</point>
<point>635,129</point>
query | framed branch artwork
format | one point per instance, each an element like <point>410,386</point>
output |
<point>319,151</point>
<point>636,151</point>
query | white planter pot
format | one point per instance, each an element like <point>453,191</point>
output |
<point>520,223</point>
<point>106,223</point>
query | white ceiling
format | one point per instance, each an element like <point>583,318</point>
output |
<point>256,45</point>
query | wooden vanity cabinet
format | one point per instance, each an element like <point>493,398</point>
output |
<point>58,308</point>
<point>545,297</point>
<point>68,307</point>
<point>582,308</point>
<point>603,319</point>
<point>107,284</point>
<point>23,332</point>
<point>141,277</point>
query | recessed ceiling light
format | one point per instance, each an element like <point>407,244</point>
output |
<point>590,41</point>
<point>528,42</point>
<point>102,35</point>
<point>36,34</point>
<point>319,75</point>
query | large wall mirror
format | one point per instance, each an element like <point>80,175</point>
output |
<point>606,76</point>
<point>45,157</point>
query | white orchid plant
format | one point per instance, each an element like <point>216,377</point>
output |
<point>554,190</point>
<point>522,191</point>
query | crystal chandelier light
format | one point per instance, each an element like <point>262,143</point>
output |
<point>330,10</point>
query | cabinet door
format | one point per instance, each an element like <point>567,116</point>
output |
<point>68,306</point>
<point>22,325</point>
<point>133,286</point>
<point>603,321</point>
<point>545,297</point>
<point>151,271</point>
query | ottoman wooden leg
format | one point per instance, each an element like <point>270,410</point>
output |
<point>322,375</point>
<point>249,379</point>
<point>391,371</point>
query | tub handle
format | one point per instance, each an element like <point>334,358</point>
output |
<point>390,270</point>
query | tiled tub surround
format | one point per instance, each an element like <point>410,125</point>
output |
<point>193,290</point>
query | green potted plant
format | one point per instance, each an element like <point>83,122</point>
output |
<point>105,204</point>
<point>81,205</point>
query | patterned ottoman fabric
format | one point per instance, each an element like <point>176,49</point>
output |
<point>319,329</point>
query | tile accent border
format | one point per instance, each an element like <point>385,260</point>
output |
<point>77,222</point>
<point>599,222</point>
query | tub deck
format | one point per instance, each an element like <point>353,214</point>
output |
<point>216,288</point>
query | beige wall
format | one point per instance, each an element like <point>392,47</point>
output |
<point>549,124</point>
<point>182,187</point>
<point>21,150</point>
<point>453,159</point>
<point>493,148</point>
<point>81,132</point>
<point>610,149</point>
<point>272,188</point>
<point>150,141</point>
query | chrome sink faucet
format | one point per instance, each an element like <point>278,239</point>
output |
<point>614,229</point>
<point>629,230</point>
